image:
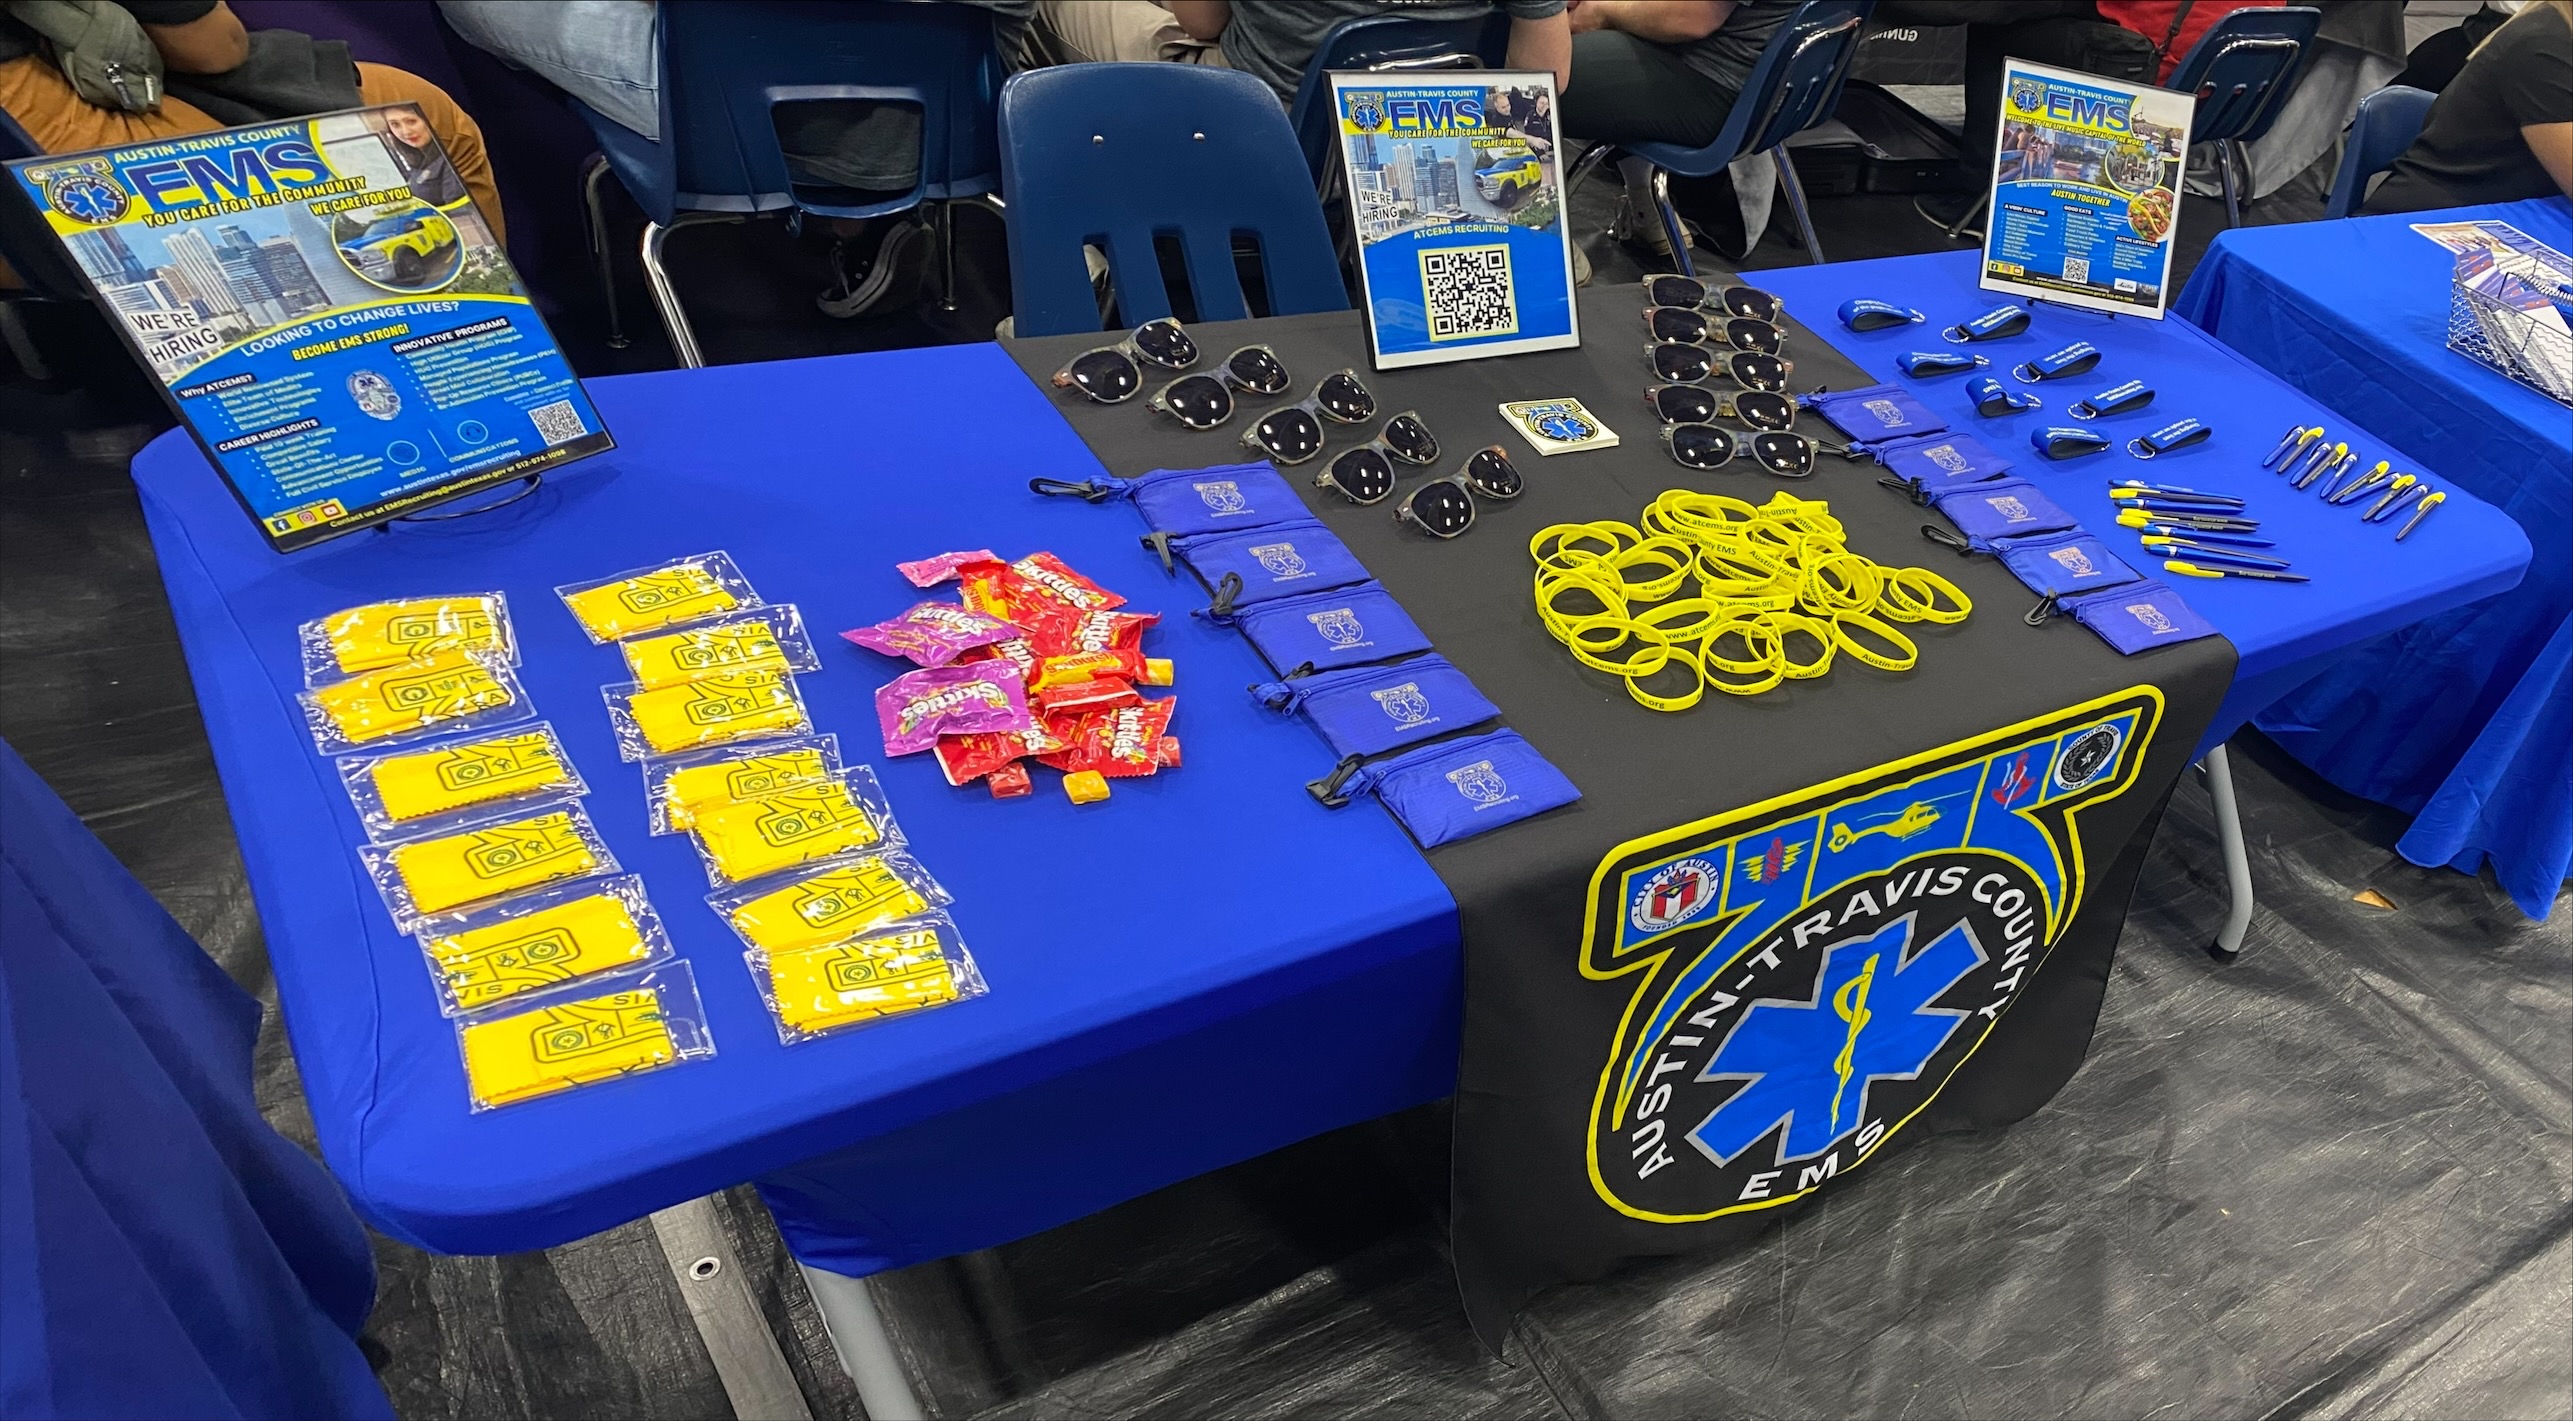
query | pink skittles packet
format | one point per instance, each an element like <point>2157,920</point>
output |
<point>915,709</point>
<point>929,572</point>
<point>932,633</point>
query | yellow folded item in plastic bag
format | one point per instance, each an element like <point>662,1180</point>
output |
<point>820,988</point>
<point>484,863</point>
<point>410,696</point>
<point>388,633</point>
<point>748,644</point>
<point>775,833</point>
<point>441,781</point>
<point>713,710</point>
<point>492,964</point>
<point>698,787</point>
<point>556,1048</point>
<point>682,592</point>
<point>826,908</point>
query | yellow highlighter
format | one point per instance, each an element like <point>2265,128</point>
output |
<point>825,987</point>
<point>556,1048</point>
<point>828,907</point>
<point>747,644</point>
<point>411,696</point>
<point>665,596</point>
<point>715,710</point>
<point>697,787</point>
<point>485,965</point>
<point>770,835</point>
<point>494,860</point>
<point>427,783</point>
<point>388,633</point>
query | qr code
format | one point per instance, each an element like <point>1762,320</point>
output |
<point>1468,292</point>
<point>559,422</point>
<point>2077,268</point>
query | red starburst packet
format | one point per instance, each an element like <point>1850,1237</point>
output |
<point>1058,581</point>
<point>915,709</point>
<point>932,633</point>
<point>1010,781</point>
<point>1106,692</point>
<point>1165,752</point>
<point>929,572</point>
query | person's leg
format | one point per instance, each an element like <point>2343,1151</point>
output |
<point>1629,90</point>
<point>598,51</point>
<point>1092,31</point>
<point>456,130</point>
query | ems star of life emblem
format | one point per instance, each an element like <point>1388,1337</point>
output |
<point>1479,782</point>
<point>1222,496</point>
<point>1404,703</point>
<point>1339,626</point>
<point>1280,559</point>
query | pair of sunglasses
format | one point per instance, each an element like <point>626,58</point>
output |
<point>1444,508</point>
<point>1709,446</point>
<point>1366,474</point>
<point>1205,401</point>
<point>1112,374</point>
<point>1751,369</point>
<point>1291,434</point>
<point>1747,302</point>
<point>1681,325</point>
<point>1696,404</point>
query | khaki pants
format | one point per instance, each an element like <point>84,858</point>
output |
<point>1139,31</point>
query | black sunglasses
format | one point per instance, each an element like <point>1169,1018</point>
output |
<point>1682,326</point>
<point>1256,369</point>
<point>1696,404</point>
<point>1109,374</point>
<point>1752,369</point>
<point>1290,434</point>
<point>1444,508</point>
<point>1366,474</point>
<point>1708,446</point>
<point>1198,401</point>
<point>1749,302</point>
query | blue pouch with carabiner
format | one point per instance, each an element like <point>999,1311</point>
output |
<point>1179,502</point>
<point>1989,512</point>
<point>1937,461</point>
<point>1371,710</point>
<point>1455,789</point>
<point>1345,626</point>
<point>1877,412</point>
<point>2063,564</point>
<point>1279,560</point>
<point>2138,616</point>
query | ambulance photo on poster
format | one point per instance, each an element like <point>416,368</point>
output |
<point>328,311</point>
<point>2085,190</point>
<point>1456,202</point>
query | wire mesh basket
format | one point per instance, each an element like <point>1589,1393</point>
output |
<point>2495,333</point>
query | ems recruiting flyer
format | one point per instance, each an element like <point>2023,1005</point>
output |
<point>328,312</point>
<point>1456,197</point>
<point>2085,189</point>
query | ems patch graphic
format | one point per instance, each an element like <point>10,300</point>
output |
<point>85,190</point>
<point>1280,558</point>
<point>1404,703</point>
<point>1221,496</point>
<point>1339,626</point>
<point>1804,976</point>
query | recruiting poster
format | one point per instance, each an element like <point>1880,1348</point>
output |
<point>2086,190</point>
<point>328,312</point>
<point>1456,204</point>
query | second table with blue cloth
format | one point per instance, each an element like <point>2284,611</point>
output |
<point>2465,720</point>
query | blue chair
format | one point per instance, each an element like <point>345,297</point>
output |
<point>2243,69</point>
<point>1117,155</point>
<point>2386,123</point>
<point>727,64</point>
<point>1795,85</point>
<point>1386,42</point>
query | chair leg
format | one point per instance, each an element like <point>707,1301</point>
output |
<point>1971,213</point>
<point>2225,173</point>
<point>1796,203</point>
<point>1673,229</point>
<point>13,332</point>
<point>1584,166</point>
<point>593,204</point>
<point>674,317</point>
<point>946,219</point>
<point>865,1352</point>
<point>2220,785</point>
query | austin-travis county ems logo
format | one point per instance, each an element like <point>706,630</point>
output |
<point>1802,977</point>
<point>1339,626</point>
<point>1221,496</point>
<point>85,191</point>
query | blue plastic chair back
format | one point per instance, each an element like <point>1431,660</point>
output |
<point>2243,69</point>
<point>1115,155</point>
<point>1795,85</point>
<point>1389,42</point>
<point>725,64</point>
<point>2386,123</point>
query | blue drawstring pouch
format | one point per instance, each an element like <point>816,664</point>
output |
<point>1328,630</point>
<point>1937,461</point>
<point>1280,560</point>
<point>2063,564</point>
<point>2137,617</point>
<point>1986,513</point>
<point>1455,789</point>
<point>1179,502</point>
<point>1877,412</point>
<point>1370,710</point>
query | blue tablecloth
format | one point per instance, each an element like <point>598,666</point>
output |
<point>162,1251</point>
<point>2364,584</point>
<point>2467,719</point>
<point>1207,967</point>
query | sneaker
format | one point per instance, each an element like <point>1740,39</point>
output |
<point>1945,210</point>
<point>1643,233</point>
<point>891,276</point>
<point>1580,266</point>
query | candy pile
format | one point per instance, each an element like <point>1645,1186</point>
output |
<point>1032,662</point>
<point>1712,591</point>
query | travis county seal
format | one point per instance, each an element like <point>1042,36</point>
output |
<point>1804,975</point>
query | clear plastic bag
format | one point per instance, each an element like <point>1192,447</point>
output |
<point>767,638</point>
<point>592,1032</point>
<point>536,942</point>
<point>675,787</point>
<point>451,873</point>
<point>646,599</point>
<point>774,834</point>
<point>451,692</point>
<point>900,968</point>
<point>729,709</point>
<point>445,787</point>
<point>356,640</point>
<point>829,902</point>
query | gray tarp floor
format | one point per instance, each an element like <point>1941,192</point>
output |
<point>2332,1178</point>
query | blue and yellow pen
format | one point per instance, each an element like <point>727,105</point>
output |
<point>2193,549</point>
<point>2257,574</point>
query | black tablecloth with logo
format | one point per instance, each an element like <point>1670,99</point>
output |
<point>1779,933</point>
